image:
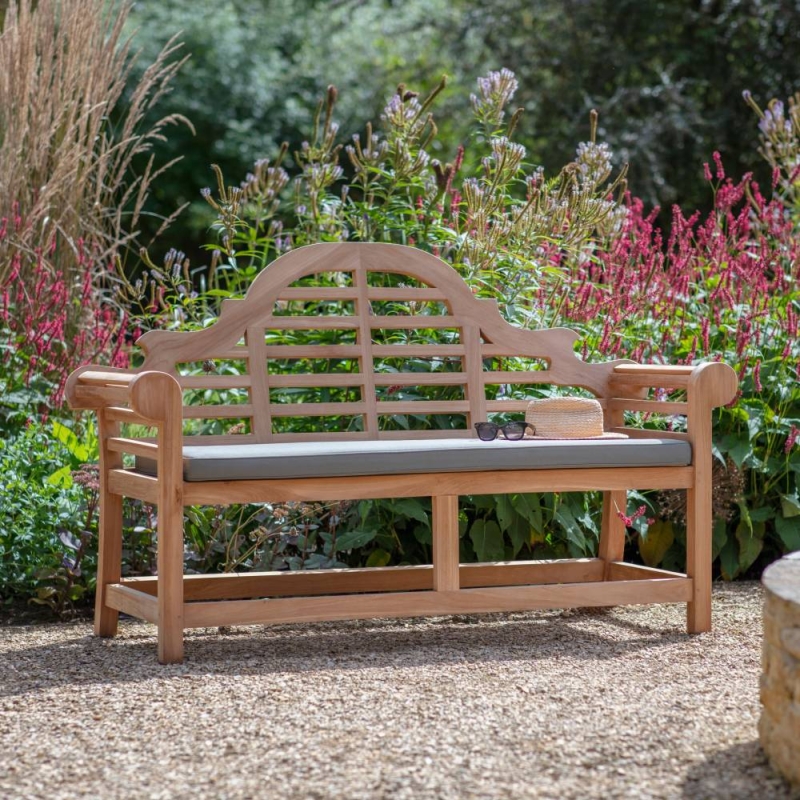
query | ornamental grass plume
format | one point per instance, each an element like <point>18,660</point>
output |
<point>67,142</point>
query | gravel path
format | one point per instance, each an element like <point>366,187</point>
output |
<point>544,705</point>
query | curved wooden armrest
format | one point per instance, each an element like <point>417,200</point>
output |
<point>711,383</point>
<point>151,395</point>
<point>94,386</point>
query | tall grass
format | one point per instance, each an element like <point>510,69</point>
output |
<point>67,141</point>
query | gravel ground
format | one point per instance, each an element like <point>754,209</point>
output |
<point>545,705</point>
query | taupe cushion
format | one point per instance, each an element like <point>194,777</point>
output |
<point>334,459</point>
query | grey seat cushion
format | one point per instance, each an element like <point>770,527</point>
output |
<point>334,459</point>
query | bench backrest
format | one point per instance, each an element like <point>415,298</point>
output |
<point>359,340</point>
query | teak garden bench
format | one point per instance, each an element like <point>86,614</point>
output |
<point>382,305</point>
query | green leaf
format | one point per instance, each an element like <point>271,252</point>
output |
<point>789,532</point>
<point>653,544</point>
<point>737,447</point>
<point>505,511</point>
<point>71,441</point>
<point>528,506</point>
<point>520,533</point>
<point>487,539</point>
<point>61,477</point>
<point>378,558</point>
<point>411,507</point>
<point>750,546</point>
<point>575,535</point>
<point>729,559</point>
<point>761,514</point>
<point>790,505</point>
<point>353,539</point>
<point>719,536</point>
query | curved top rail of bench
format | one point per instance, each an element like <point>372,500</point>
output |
<point>163,349</point>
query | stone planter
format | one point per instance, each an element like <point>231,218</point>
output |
<point>779,726</point>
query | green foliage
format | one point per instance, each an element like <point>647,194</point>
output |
<point>256,68</point>
<point>667,78</point>
<point>555,251</point>
<point>46,526</point>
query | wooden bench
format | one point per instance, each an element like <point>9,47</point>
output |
<point>385,307</point>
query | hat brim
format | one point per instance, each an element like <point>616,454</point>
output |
<point>606,435</point>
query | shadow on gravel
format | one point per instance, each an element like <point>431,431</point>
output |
<point>738,773</point>
<point>76,657</point>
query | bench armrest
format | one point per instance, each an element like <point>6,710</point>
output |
<point>707,386</point>
<point>149,396</point>
<point>710,384</point>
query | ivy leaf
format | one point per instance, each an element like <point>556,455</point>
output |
<point>654,543</point>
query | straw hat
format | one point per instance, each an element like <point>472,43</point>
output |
<point>568,418</point>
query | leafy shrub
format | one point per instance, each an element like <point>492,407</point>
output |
<point>47,548</point>
<point>562,251</point>
<point>724,287</point>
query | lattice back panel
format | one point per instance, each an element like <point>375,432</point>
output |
<point>358,341</point>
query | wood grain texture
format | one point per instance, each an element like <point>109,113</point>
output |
<point>413,604</point>
<point>129,601</point>
<point>381,345</point>
<point>440,483</point>
<point>109,554</point>
<point>444,524</point>
<point>309,583</point>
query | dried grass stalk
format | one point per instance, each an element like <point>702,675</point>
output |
<point>67,142</point>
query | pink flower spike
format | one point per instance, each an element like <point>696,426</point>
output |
<point>791,439</point>
<point>720,168</point>
<point>707,172</point>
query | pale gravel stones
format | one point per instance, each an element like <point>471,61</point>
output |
<point>620,704</point>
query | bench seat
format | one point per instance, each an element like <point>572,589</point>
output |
<point>352,459</point>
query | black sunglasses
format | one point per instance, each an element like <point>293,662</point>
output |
<point>514,431</point>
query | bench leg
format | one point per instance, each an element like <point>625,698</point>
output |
<point>445,544</point>
<point>698,557</point>
<point>109,546</point>
<point>612,529</point>
<point>109,561</point>
<point>170,583</point>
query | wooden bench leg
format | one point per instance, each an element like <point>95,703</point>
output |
<point>109,546</point>
<point>612,529</point>
<point>109,561</point>
<point>445,544</point>
<point>170,583</point>
<point>698,557</point>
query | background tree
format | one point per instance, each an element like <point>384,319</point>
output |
<point>666,76</point>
